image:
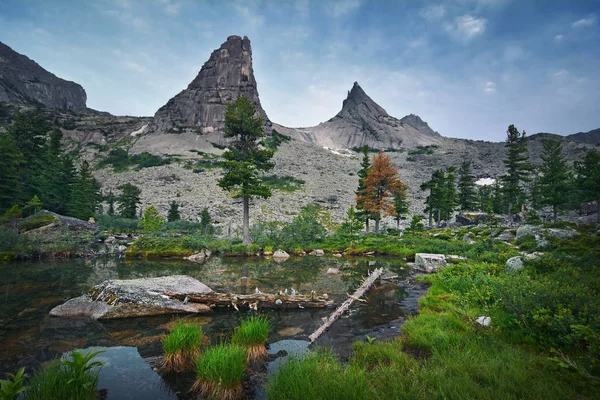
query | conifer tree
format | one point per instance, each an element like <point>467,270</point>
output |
<point>362,174</point>
<point>352,223</point>
<point>498,198</point>
<point>401,205</point>
<point>517,167</point>
<point>10,159</point>
<point>588,178</point>
<point>35,205</point>
<point>555,181</point>
<point>173,214</point>
<point>484,199</point>
<point>450,198</point>
<point>151,221</point>
<point>205,223</point>
<point>129,199</point>
<point>110,199</point>
<point>435,201</point>
<point>85,196</point>
<point>245,159</point>
<point>14,214</point>
<point>381,183</point>
<point>415,225</point>
<point>467,195</point>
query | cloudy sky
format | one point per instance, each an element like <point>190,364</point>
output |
<point>467,67</point>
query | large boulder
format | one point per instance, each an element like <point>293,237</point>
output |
<point>561,233</point>
<point>513,264</point>
<point>280,255</point>
<point>588,208</point>
<point>526,231</point>
<point>134,298</point>
<point>429,263</point>
<point>506,236</point>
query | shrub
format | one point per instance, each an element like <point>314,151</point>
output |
<point>116,224</point>
<point>220,372</point>
<point>9,239</point>
<point>252,335</point>
<point>120,160</point>
<point>181,347</point>
<point>36,221</point>
<point>151,222</point>
<point>10,388</point>
<point>275,140</point>
<point>283,183</point>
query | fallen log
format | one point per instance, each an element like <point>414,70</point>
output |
<point>362,289</point>
<point>254,300</point>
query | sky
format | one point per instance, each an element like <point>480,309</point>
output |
<point>469,68</point>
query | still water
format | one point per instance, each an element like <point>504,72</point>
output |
<point>29,290</point>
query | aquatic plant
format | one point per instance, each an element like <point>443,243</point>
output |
<point>10,388</point>
<point>220,371</point>
<point>252,335</point>
<point>181,347</point>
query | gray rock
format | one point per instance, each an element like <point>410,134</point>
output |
<point>468,238</point>
<point>134,298</point>
<point>429,263</point>
<point>22,80</point>
<point>513,264</point>
<point>483,320</point>
<point>464,219</point>
<point>526,231</point>
<point>333,271</point>
<point>317,252</point>
<point>506,236</point>
<point>561,233</point>
<point>588,208</point>
<point>280,255</point>
<point>198,257</point>
<point>121,249</point>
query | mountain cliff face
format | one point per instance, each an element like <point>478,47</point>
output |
<point>590,137</point>
<point>226,76</point>
<point>363,122</point>
<point>22,80</point>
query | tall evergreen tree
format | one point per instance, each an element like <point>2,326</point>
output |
<point>362,174</point>
<point>10,159</point>
<point>401,205</point>
<point>205,223</point>
<point>498,198</point>
<point>467,194</point>
<point>555,181</point>
<point>434,202</point>
<point>381,184</point>
<point>450,198</point>
<point>129,199</point>
<point>351,224</point>
<point>245,159</point>
<point>588,178</point>
<point>86,194</point>
<point>173,214</point>
<point>517,167</point>
<point>484,199</point>
<point>535,192</point>
<point>110,199</point>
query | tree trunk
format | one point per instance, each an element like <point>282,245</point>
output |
<point>246,235</point>
<point>554,212</point>
<point>377,224</point>
<point>598,211</point>
<point>430,219</point>
<point>510,219</point>
<point>439,217</point>
<point>398,224</point>
<point>367,224</point>
<point>254,300</point>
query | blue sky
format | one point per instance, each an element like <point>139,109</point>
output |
<point>467,67</point>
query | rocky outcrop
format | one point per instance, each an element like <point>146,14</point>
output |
<point>429,263</point>
<point>22,80</point>
<point>200,108</point>
<point>134,298</point>
<point>513,264</point>
<point>362,122</point>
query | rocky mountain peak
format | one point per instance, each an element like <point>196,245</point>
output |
<point>200,108</point>
<point>358,102</point>
<point>22,80</point>
<point>416,122</point>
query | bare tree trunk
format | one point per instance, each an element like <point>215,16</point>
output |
<point>554,212</point>
<point>367,224</point>
<point>510,218</point>
<point>439,217</point>
<point>246,235</point>
<point>430,219</point>
<point>377,224</point>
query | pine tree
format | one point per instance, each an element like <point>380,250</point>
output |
<point>415,225</point>
<point>517,167</point>
<point>110,199</point>
<point>362,174</point>
<point>435,201</point>
<point>498,198</point>
<point>245,158</point>
<point>401,205</point>
<point>173,214</point>
<point>13,214</point>
<point>151,221</point>
<point>535,193</point>
<point>35,205</point>
<point>52,188</point>
<point>450,198</point>
<point>86,194</point>
<point>352,223</point>
<point>588,178</point>
<point>467,196</point>
<point>484,199</point>
<point>381,183</point>
<point>205,223</point>
<point>129,199</point>
<point>10,159</point>
<point>555,182</point>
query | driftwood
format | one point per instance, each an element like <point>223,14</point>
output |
<point>254,300</point>
<point>362,289</point>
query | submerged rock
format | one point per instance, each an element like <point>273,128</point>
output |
<point>429,263</point>
<point>134,298</point>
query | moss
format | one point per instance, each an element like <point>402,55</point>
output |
<point>36,221</point>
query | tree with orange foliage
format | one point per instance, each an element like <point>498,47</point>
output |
<point>380,185</point>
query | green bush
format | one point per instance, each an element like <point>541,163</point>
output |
<point>9,239</point>
<point>36,221</point>
<point>121,160</point>
<point>283,183</point>
<point>116,223</point>
<point>275,140</point>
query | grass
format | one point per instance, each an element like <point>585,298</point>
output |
<point>36,221</point>
<point>275,140</point>
<point>252,335</point>
<point>181,347</point>
<point>220,372</point>
<point>422,150</point>
<point>121,160</point>
<point>283,183</point>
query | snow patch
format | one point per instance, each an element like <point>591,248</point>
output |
<point>143,129</point>
<point>485,182</point>
<point>340,152</point>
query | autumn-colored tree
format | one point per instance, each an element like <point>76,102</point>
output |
<point>380,186</point>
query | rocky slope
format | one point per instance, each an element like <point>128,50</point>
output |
<point>362,122</point>
<point>23,80</point>
<point>590,137</point>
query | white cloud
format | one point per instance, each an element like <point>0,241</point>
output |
<point>560,73</point>
<point>585,22</point>
<point>433,13</point>
<point>466,27</point>
<point>490,87</point>
<point>343,7</point>
<point>559,38</point>
<point>171,7</point>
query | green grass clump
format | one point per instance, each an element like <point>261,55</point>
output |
<point>252,335</point>
<point>275,140</point>
<point>318,376</point>
<point>181,347</point>
<point>121,160</point>
<point>36,221</point>
<point>220,372</point>
<point>283,183</point>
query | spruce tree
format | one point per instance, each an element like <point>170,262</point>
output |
<point>129,199</point>
<point>449,198</point>
<point>555,181</point>
<point>85,196</point>
<point>435,201</point>
<point>401,206</point>
<point>362,174</point>
<point>517,167</point>
<point>205,223</point>
<point>245,159</point>
<point>467,194</point>
<point>34,205</point>
<point>173,214</point>
<point>10,159</point>
<point>351,224</point>
<point>588,178</point>
<point>110,199</point>
<point>151,221</point>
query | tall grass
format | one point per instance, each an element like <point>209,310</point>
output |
<point>252,335</point>
<point>181,347</point>
<point>220,372</point>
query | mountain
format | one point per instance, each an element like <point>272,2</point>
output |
<point>361,122</point>
<point>22,80</point>
<point>227,75</point>
<point>592,137</point>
